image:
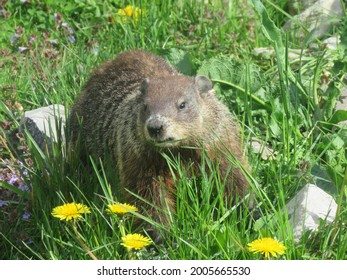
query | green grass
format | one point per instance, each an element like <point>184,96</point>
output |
<point>287,104</point>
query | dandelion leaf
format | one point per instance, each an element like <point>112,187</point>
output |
<point>181,60</point>
<point>338,116</point>
<point>270,30</point>
<point>322,179</point>
<point>229,71</point>
<point>221,68</point>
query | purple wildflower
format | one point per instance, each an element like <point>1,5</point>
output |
<point>2,12</point>
<point>14,38</point>
<point>29,242</point>
<point>65,24</point>
<point>22,49</point>
<point>72,39</point>
<point>24,188</point>
<point>54,41</point>
<point>13,179</point>
<point>26,216</point>
<point>3,203</point>
<point>32,38</point>
<point>25,172</point>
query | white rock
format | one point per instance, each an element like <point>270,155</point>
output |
<point>319,16</point>
<point>43,125</point>
<point>308,207</point>
<point>332,42</point>
<point>260,147</point>
<point>297,6</point>
<point>341,104</point>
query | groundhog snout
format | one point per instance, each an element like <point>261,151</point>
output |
<point>157,129</point>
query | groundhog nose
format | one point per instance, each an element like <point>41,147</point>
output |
<point>155,129</point>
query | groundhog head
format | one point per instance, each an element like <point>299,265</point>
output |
<point>172,108</point>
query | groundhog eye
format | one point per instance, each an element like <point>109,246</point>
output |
<point>182,105</point>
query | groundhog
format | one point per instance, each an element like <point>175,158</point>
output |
<point>137,108</point>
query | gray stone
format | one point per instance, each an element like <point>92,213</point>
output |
<point>341,104</point>
<point>297,6</point>
<point>318,16</point>
<point>45,124</point>
<point>332,42</point>
<point>308,207</point>
<point>260,147</point>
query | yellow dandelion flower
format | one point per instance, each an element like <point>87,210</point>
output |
<point>70,211</point>
<point>122,12</point>
<point>121,208</point>
<point>135,241</point>
<point>267,246</point>
<point>129,12</point>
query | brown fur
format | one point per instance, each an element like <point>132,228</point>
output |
<point>131,107</point>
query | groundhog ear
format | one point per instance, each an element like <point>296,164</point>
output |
<point>203,84</point>
<point>144,85</point>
